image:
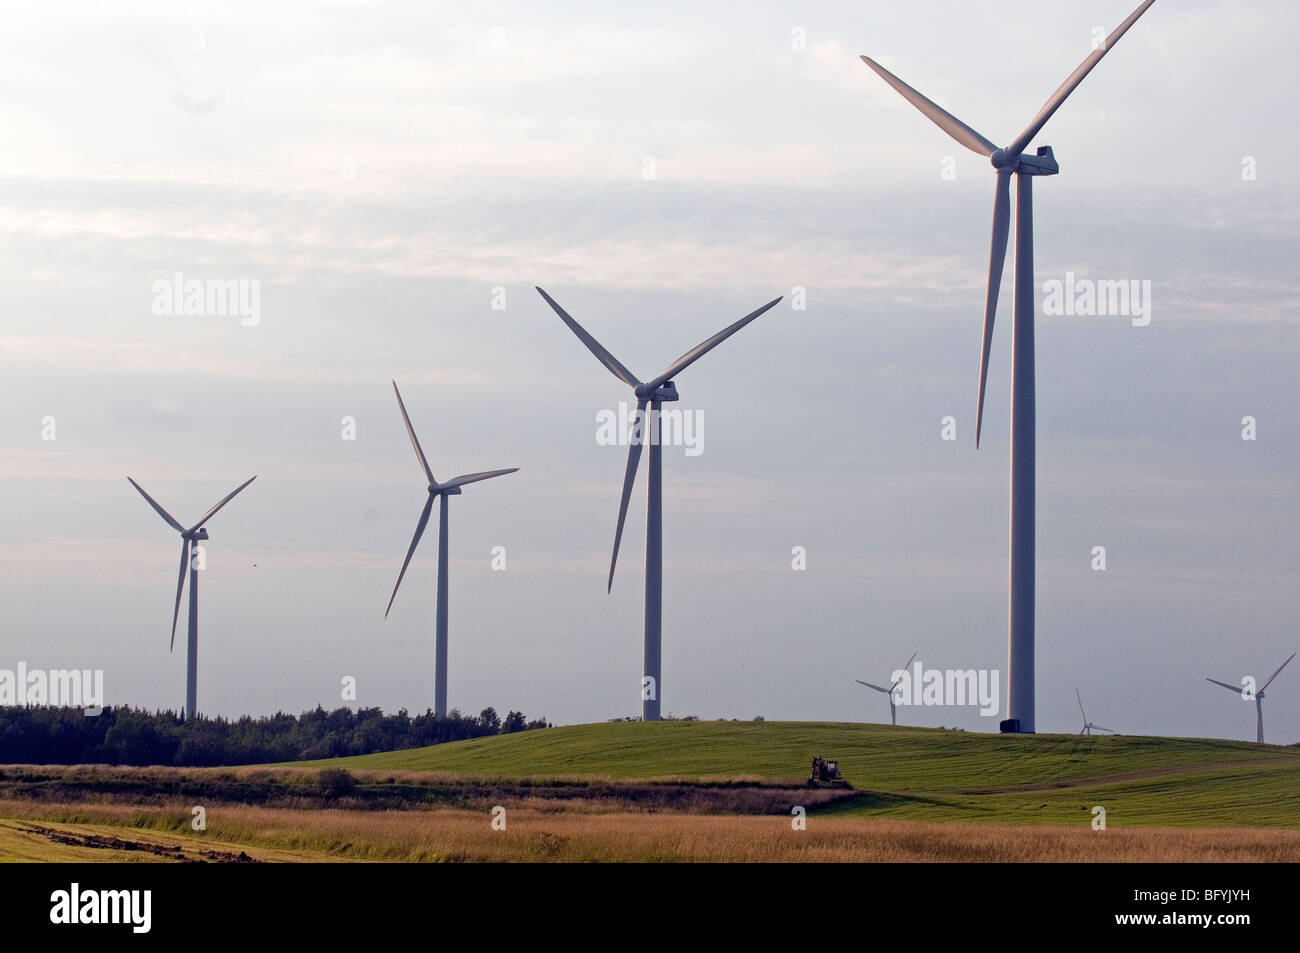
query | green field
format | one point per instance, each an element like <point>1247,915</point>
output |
<point>688,791</point>
<point>912,773</point>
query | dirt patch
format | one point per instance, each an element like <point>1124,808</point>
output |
<point>108,842</point>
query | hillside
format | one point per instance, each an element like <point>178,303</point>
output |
<point>912,773</point>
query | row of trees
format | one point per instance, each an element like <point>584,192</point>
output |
<point>134,736</point>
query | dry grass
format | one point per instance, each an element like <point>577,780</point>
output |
<point>532,835</point>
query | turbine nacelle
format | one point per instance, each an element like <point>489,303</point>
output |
<point>1043,162</point>
<point>200,533</point>
<point>435,488</point>
<point>665,392</point>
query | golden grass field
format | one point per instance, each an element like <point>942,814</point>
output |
<point>458,835</point>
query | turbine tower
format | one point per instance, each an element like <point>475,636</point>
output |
<point>1009,161</point>
<point>1088,727</point>
<point>437,491</point>
<point>651,394</point>
<point>196,533</point>
<point>1259,697</point>
<point>893,715</point>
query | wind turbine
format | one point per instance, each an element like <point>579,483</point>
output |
<point>1259,698</point>
<point>893,715</point>
<point>1006,162</point>
<point>196,533</point>
<point>1088,727</point>
<point>653,393</point>
<point>436,491</point>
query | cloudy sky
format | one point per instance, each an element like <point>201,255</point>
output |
<point>388,173</point>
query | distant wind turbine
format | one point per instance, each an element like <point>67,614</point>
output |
<point>436,490</point>
<point>196,533</point>
<point>893,715</point>
<point>1259,697</point>
<point>1088,727</point>
<point>657,391</point>
<point>1006,162</point>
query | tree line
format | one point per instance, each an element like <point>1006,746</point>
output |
<point>135,736</point>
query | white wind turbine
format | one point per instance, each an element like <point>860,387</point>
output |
<point>893,715</point>
<point>1258,697</point>
<point>437,491</point>
<point>651,394</point>
<point>1008,161</point>
<point>1089,727</point>
<point>195,534</point>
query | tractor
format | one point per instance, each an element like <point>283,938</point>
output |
<point>826,774</point>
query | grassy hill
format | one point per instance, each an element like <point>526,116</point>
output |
<point>913,773</point>
<point>684,791</point>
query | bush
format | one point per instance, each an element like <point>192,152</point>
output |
<point>335,782</point>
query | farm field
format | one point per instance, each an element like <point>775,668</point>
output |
<point>245,834</point>
<point>913,773</point>
<point>683,791</point>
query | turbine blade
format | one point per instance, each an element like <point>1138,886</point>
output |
<point>945,120</point>
<point>415,442</point>
<point>1231,688</point>
<point>180,585</point>
<point>158,509</point>
<point>629,477</point>
<point>1100,728</point>
<point>1074,79</point>
<point>415,541</point>
<point>906,666</point>
<point>997,258</point>
<point>697,352</point>
<point>230,496</point>
<point>1274,675</point>
<point>594,346</point>
<point>869,685</point>
<point>475,477</point>
<point>1081,711</point>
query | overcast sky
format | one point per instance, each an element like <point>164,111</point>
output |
<point>382,170</point>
